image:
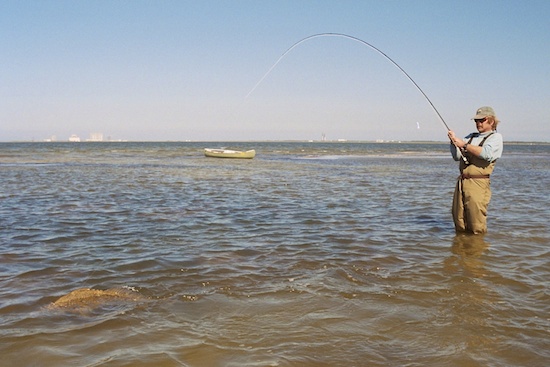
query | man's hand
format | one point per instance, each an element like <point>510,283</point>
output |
<point>459,143</point>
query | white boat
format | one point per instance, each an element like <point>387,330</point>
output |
<point>228,153</point>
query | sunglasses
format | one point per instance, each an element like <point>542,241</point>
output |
<point>480,120</point>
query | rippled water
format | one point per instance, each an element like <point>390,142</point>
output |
<point>336,254</point>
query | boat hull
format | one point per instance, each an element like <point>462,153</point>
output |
<point>227,153</point>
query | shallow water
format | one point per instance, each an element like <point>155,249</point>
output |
<point>311,254</point>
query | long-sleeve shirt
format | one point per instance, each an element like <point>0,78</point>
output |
<point>491,150</point>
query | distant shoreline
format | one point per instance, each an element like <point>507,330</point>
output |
<point>260,141</point>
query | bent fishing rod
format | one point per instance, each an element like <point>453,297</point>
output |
<point>362,42</point>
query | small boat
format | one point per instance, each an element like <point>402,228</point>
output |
<point>228,153</point>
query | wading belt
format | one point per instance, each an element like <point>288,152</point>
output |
<point>466,176</point>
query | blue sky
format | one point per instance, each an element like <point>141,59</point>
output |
<point>180,70</point>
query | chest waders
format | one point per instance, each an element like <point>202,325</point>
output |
<point>472,193</point>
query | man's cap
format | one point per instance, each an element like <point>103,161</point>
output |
<point>483,112</point>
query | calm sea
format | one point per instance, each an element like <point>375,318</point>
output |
<point>311,254</point>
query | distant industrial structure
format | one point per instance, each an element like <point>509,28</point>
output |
<point>95,137</point>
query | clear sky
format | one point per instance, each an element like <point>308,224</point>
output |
<point>180,70</point>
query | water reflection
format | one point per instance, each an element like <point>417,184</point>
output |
<point>469,248</point>
<point>471,302</point>
<point>469,245</point>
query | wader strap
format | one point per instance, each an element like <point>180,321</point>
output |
<point>467,162</point>
<point>485,138</point>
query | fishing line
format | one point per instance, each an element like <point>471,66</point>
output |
<point>364,43</point>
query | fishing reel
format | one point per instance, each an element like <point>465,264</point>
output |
<point>463,154</point>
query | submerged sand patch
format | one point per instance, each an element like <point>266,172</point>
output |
<point>86,300</point>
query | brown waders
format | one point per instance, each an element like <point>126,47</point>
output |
<point>472,195</point>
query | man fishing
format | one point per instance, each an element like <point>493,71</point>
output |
<point>477,155</point>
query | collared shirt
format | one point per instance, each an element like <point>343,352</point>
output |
<point>491,150</point>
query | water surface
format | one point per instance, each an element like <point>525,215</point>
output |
<point>311,254</point>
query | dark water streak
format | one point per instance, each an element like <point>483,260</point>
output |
<point>309,255</point>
